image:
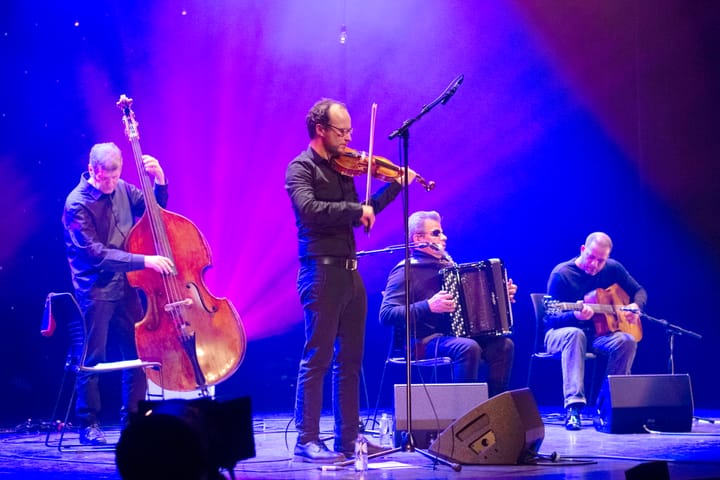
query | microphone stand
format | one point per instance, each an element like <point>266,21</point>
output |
<point>671,331</point>
<point>404,134</point>
<point>392,248</point>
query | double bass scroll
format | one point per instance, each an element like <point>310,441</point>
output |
<point>198,338</point>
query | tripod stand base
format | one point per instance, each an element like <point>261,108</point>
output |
<point>383,453</point>
<point>455,466</point>
<point>407,446</point>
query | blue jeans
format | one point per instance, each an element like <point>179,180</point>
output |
<point>335,306</point>
<point>571,343</point>
<point>467,353</point>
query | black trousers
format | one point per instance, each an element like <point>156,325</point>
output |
<point>335,306</point>
<point>118,318</point>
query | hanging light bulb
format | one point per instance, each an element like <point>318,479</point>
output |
<point>343,35</point>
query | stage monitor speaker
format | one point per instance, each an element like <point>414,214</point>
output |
<point>629,403</point>
<point>434,407</point>
<point>505,430</point>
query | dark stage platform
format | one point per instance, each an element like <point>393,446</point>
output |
<point>582,454</point>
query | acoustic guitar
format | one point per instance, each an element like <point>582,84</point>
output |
<point>610,311</point>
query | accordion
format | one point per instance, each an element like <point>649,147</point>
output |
<point>481,298</point>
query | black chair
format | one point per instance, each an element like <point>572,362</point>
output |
<point>396,356</point>
<point>539,353</point>
<point>64,309</point>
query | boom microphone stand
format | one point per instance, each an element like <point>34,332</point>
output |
<point>404,134</point>
<point>671,331</point>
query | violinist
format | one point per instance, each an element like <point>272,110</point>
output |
<point>98,215</point>
<point>327,209</point>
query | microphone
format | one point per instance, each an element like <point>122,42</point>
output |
<point>444,252</point>
<point>452,88</point>
<point>434,246</point>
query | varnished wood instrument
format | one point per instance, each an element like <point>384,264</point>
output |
<point>610,308</point>
<point>199,338</point>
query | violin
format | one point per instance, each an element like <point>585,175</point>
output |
<point>352,163</point>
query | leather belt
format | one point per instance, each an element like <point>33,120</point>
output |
<point>346,263</point>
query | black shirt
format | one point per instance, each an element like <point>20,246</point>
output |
<point>96,226</point>
<point>569,283</point>
<point>326,206</point>
<point>425,281</point>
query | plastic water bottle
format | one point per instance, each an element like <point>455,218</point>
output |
<point>386,432</point>
<point>361,454</point>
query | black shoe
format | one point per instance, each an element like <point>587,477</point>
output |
<point>92,435</point>
<point>572,419</point>
<point>316,452</point>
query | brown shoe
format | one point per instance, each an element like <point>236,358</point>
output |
<point>316,452</point>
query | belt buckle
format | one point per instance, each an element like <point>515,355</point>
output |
<point>351,264</point>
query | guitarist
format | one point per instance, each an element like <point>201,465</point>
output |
<point>568,333</point>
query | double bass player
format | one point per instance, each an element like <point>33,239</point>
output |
<point>98,215</point>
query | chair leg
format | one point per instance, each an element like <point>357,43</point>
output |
<point>529,377</point>
<point>364,386</point>
<point>63,427</point>
<point>55,408</point>
<point>377,400</point>
<point>152,395</point>
<point>593,380</point>
<point>162,384</point>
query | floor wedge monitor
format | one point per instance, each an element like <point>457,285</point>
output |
<point>434,407</point>
<point>638,403</point>
<point>505,430</point>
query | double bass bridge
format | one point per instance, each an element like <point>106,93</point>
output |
<point>175,306</point>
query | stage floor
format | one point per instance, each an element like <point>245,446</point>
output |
<point>582,454</point>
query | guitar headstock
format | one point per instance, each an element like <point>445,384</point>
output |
<point>125,104</point>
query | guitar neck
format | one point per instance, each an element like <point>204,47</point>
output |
<point>595,307</point>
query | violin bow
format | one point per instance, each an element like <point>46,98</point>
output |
<point>373,116</point>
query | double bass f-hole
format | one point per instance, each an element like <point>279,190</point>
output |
<point>197,337</point>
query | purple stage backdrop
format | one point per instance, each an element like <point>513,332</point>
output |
<point>572,117</point>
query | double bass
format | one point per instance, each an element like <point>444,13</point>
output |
<point>198,338</point>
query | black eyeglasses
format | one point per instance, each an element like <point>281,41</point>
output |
<point>435,233</point>
<point>341,131</point>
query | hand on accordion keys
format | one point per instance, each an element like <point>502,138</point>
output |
<point>442,302</point>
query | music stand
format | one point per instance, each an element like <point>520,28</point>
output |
<point>403,133</point>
